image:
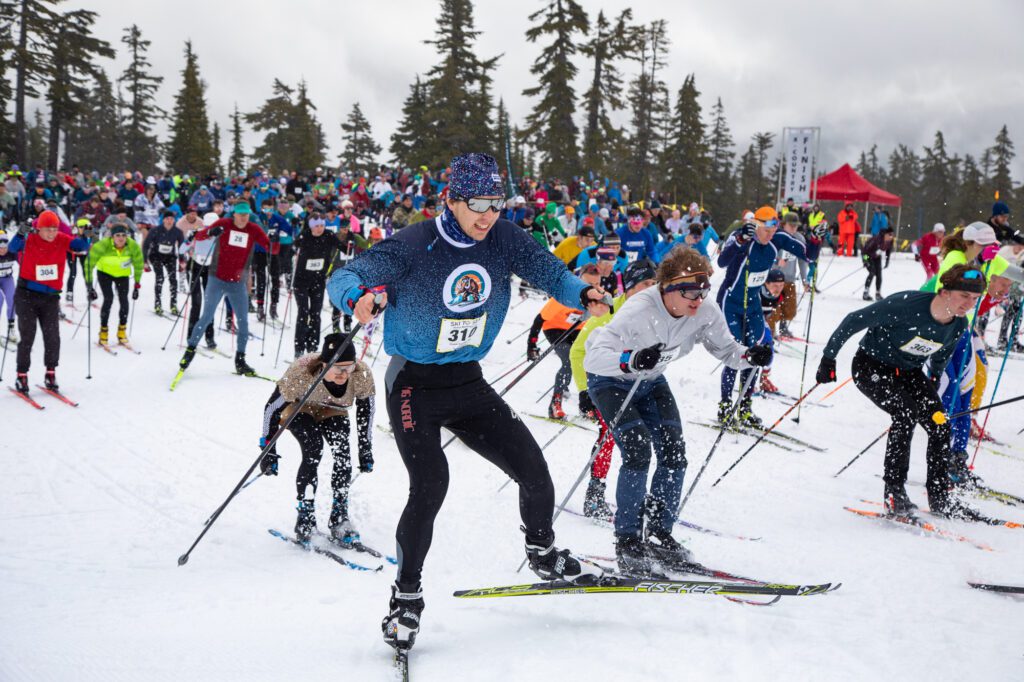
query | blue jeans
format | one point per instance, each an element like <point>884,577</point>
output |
<point>650,419</point>
<point>238,299</point>
<point>749,330</point>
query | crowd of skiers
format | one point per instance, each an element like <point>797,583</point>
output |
<point>628,278</point>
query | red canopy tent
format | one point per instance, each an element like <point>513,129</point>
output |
<point>845,184</point>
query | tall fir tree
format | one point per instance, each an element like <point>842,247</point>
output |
<point>36,140</point>
<point>7,17</point>
<point>685,161</point>
<point>609,44</point>
<point>74,51</point>
<point>551,123</point>
<point>937,185</point>
<point>721,195</point>
<point>648,96</point>
<point>905,182</point>
<point>974,201</point>
<point>1002,154</point>
<point>93,141</point>
<point>747,178</point>
<point>409,142</point>
<point>141,148</point>
<point>308,141</point>
<point>215,139</point>
<point>33,22</point>
<point>503,137</point>
<point>236,161</point>
<point>763,188</point>
<point>190,149</point>
<point>293,138</point>
<point>458,109</point>
<point>360,151</point>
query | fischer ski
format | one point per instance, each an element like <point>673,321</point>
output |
<point>58,395</point>
<point>915,523</point>
<point>323,552</point>
<point>1005,589</point>
<point>743,431</point>
<point>987,493</point>
<point>358,546</point>
<point>401,662</point>
<point>620,585</point>
<point>24,397</point>
<point>563,422</point>
<point>177,378</point>
<point>258,376</point>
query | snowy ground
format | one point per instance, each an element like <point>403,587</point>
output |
<point>99,501</point>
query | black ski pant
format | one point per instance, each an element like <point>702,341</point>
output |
<point>107,286</point>
<point>311,435</point>
<point>285,263</point>
<point>165,263</point>
<point>1013,304</point>
<point>261,263</point>
<point>199,275</point>
<point>36,307</point>
<point>423,398</point>
<point>74,261</point>
<point>308,303</point>
<point>910,398</point>
<point>874,266</point>
<point>564,373</point>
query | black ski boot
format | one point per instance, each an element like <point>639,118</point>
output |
<point>631,556</point>
<point>242,367</point>
<point>594,505</point>
<point>746,416</point>
<point>261,314</point>
<point>11,338</point>
<point>897,502</point>
<point>174,309</point>
<point>551,563</point>
<point>305,523</point>
<point>866,296</point>
<point>784,329</point>
<point>960,472</point>
<point>341,528</point>
<point>878,295</point>
<point>158,309</point>
<point>186,359</point>
<point>21,383</point>
<point>666,551</point>
<point>402,624</point>
<point>273,312</point>
<point>949,506</point>
<point>347,323</point>
<point>724,412</point>
<point>50,381</point>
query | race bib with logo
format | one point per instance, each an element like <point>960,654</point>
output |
<point>631,256</point>
<point>129,203</point>
<point>46,273</point>
<point>239,239</point>
<point>919,346</point>
<point>126,264</point>
<point>934,251</point>
<point>467,287</point>
<point>165,248</point>
<point>756,279</point>
<point>456,334</point>
<point>315,264</point>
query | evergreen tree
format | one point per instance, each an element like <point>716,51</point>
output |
<point>458,107</point>
<point>361,151</point>
<point>609,44</point>
<point>6,93</point>
<point>648,96</point>
<point>36,140</point>
<point>763,187</point>
<point>410,141</point>
<point>905,182</point>
<point>74,49</point>
<point>747,178</point>
<point>974,200</point>
<point>94,138</point>
<point>215,139</point>
<point>504,145</point>
<point>308,143</point>
<point>293,138</point>
<point>685,162</point>
<point>721,196</point>
<point>870,168</point>
<point>551,123</point>
<point>190,149</point>
<point>33,20</point>
<point>937,187</point>
<point>236,162</point>
<point>1002,154</point>
<point>141,149</point>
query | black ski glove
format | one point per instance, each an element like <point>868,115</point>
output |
<point>759,355</point>
<point>826,371</point>
<point>268,464</point>
<point>366,462</point>
<point>215,231</point>
<point>587,406</point>
<point>532,351</point>
<point>746,232</point>
<point>135,291</point>
<point>92,293</point>
<point>644,359</point>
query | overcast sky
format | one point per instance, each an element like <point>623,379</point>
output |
<point>866,72</point>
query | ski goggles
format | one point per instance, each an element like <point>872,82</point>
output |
<point>697,288</point>
<point>773,223</point>
<point>606,253</point>
<point>483,204</point>
<point>971,281</point>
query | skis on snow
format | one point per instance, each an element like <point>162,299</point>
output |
<point>58,395</point>
<point>26,398</point>
<point>916,523</point>
<point>310,547</point>
<point>358,546</point>
<point>623,585</point>
<point>1004,589</point>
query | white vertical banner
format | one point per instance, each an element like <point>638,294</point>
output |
<point>799,149</point>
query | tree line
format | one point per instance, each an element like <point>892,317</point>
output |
<point>669,146</point>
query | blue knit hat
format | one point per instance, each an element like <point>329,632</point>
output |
<point>1000,208</point>
<point>475,175</point>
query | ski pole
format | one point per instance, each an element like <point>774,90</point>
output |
<point>857,456</point>
<point>938,416</point>
<point>550,388</point>
<point>80,321</point>
<point>4,360</point>
<point>131,322</point>
<point>519,335</point>
<point>251,481</point>
<point>195,283</point>
<point>378,299</point>
<point>825,272</point>
<point>834,390</point>
<point>593,453</point>
<point>846,276</point>
<point>995,389</point>
<point>542,449</point>
<point>533,364</point>
<point>376,353</point>
<point>807,343</point>
<point>765,434</point>
<point>280,339</point>
<point>88,333</point>
<point>714,446</point>
<point>507,372</point>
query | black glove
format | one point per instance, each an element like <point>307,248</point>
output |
<point>746,232</point>
<point>215,231</point>
<point>268,464</point>
<point>759,355</point>
<point>92,293</point>
<point>917,257</point>
<point>135,291</point>
<point>821,231</point>
<point>887,262</point>
<point>366,462</point>
<point>826,371</point>
<point>532,351</point>
<point>645,358</point>
<point>587,406</point>
<point>274,236</point>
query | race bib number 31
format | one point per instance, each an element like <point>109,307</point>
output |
<point>240,239</point>
<point>919,346</point>
<point>46,273</point>
<point>456,334</point>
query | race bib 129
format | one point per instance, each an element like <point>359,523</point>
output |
<point>455,334</point>
<point>756,279</point>
<point>919,346</point>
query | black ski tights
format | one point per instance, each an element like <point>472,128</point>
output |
<point>107,286</point>
<point>311,435</point>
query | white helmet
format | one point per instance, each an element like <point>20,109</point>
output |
<point>939,227</point>
<point>210,218</point>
